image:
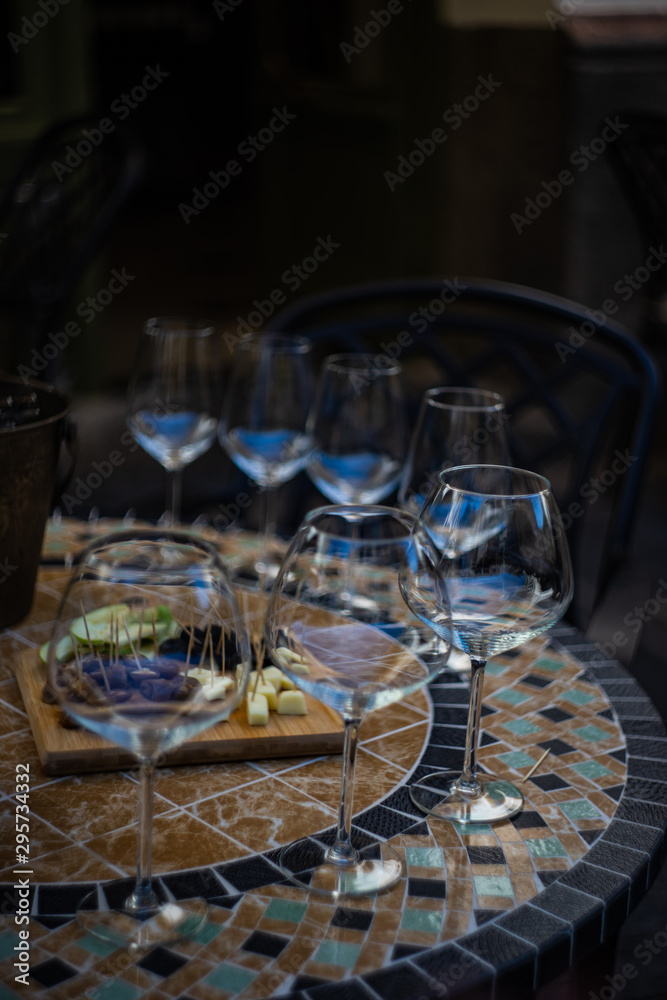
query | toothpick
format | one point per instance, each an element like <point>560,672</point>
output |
<point>187,661</point>
<point>535,766</point>
<point>155,642</point>
<point>210,654</point>
<point>93,651</point>
<point>207,636</point>
<point>133,650</point>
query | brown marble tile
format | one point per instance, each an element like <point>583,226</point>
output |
<point>488,870</point>
<point>525,887</point>
<point>518,857</point>
<point>507,832</point>
<point>385,925</point>
<point>71,864</point>
<point>182,785</point>
<point>457,863</point>
<point>179,841</point>
<point>393,899</point>
<point>606,805</point>
<point>43,839</point>
<point>12,721</point>
<point>374,779</point>
<point>264,986</point>
<point>459,894</point>
<point>267,814</point>
<point>456,924</point>
<point>333,972</point>
<point>249,912</point>
<point>495,902</point>
<point>574,845</point>
<point>372,957</point>
<point>85,807</point>
<point>387,720</point>
<point>276,764</point>
<point>403,748</point>
<point>19,748</point>
<point>11,695</point>
<point>225,944</point>
<point>420,701</point>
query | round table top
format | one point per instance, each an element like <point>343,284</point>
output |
<point>504,907</point>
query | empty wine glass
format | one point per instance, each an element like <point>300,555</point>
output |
<point>508,576</point>
<point>338,624</point>
<point>455,426</point>
<point>148,649</point>
<point>263,425</point>
<point>173,397</point>
<point>359,429</point>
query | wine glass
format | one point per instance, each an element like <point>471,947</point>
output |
<point>507,569</point>
<point>359,429</point>
<point>173,397</point>
<point>263,424</point>
<point>338,625</point>
<point>148,650</point>
<point>455,426</point>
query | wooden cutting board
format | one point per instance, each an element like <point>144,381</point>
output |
<point>74,751</point>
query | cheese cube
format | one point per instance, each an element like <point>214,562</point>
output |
<point>269,693</point>
<point>218,689</point>
<point>292,703</point>
<point>257,709</point>
<point>291,660</point>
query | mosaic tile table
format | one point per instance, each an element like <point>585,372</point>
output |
<point>481,911</point>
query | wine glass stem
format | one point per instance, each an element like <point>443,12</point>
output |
<point>174,485</point>
<point>342,851</point>
<point>468,782</point>
<point>268,495</point>
<point>143,898</point>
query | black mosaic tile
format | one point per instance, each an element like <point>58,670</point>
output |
<point>513,958</point>
<point>555,714</point>
<point>400,801</point>
<point>606,714</point>
<point>653,728</point>
<point>486,855</point>
<point>552,937</point>
<point>10,898</point>
<point>383,822</point>
<point>448,969</point>
<point>304,982</point>
<point>615,792</point>
<point>535,681</point>
<point>527,820</point>
<point>652,749</point>
<point>599,882</point>
<point>51,923</point>
<point>488,710</point>
<point>116,892</point>
<point>458,694</point>
<point>646,813</point>
<point>549,782</point>
<point>356,920</point>
<point>62,899</point>
<point>448,736</point>
<point>642,767</point>
<point>642,788</point>
<point>226,902</point>
<point>418,830</point>
<point>619,755</point>
<point>511,654</point>
<point>487,739</point>
<point>433,888</point>
<point>610,670</point>
<point>249,873</point>
<point>584,911</point>
<point>198,883</point>
<point>625,861</point>
<point>638,708</point>
<point>52,972</point>
<point>548,876</point>
<point>557,747</point>
<point>620,688</point>
<point>445,757</point>
<point>265,943</point>
<point>590,836</point>
<point>405,951</point>
<point>483,916</point>
<point>162,962</point>
<point>634,835</point>
<point>349,989</point>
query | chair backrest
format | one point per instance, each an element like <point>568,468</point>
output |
<point>581,393</point>
<point>639,160</point>
<point>57,210</point>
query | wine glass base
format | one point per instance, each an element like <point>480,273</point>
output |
<point>439,796</point>
<point>170,921</point>
<point>377,868</point>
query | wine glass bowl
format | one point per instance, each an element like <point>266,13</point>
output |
<point>337,623</point>
<point>173,397</point>
<point>359,429</point>
<point>455,426</point>
<point>148,650</point>
<point>507,582</point>
<point>264,416</point>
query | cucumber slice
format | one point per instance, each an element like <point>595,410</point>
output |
<point>98,623</point>
<point>64,650</point>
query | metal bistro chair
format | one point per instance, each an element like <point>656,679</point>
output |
<point>581,393</point>
<point>54,217</point>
